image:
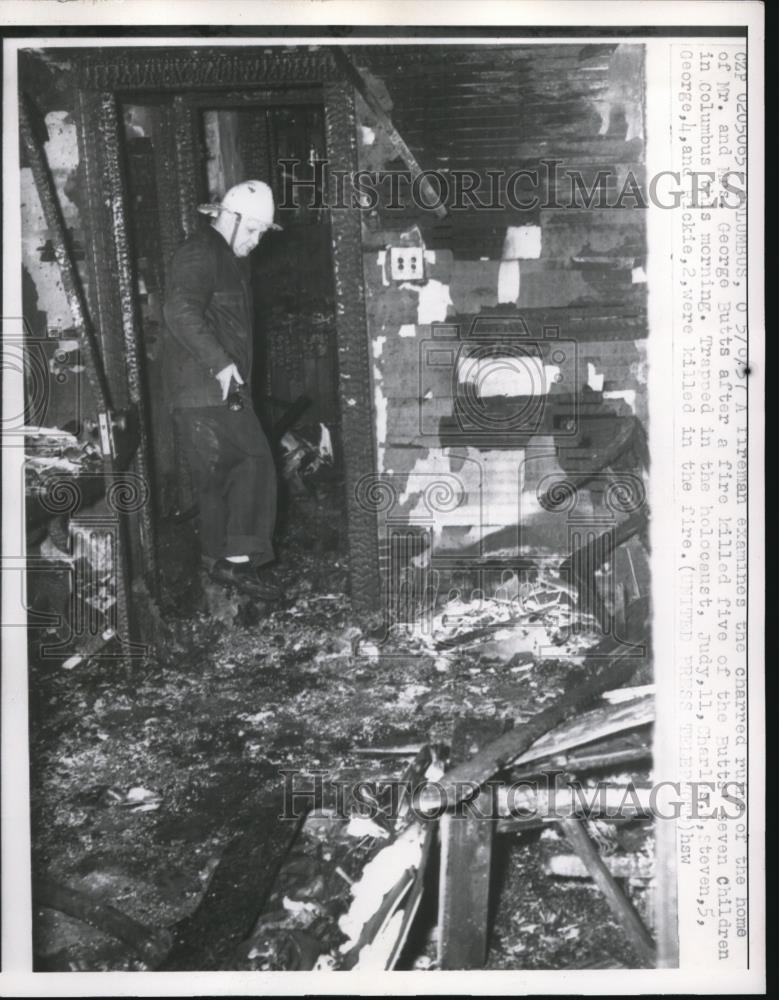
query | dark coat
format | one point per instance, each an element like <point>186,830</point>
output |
<point>208,319</point>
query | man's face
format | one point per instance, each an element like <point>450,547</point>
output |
<point>249,234</point>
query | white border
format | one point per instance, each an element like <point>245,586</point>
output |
<point>15,801</point>
<point>411,13</point>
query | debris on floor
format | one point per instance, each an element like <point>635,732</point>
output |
<point>153,792</point>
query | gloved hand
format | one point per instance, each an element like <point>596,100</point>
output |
<point>226,377</point>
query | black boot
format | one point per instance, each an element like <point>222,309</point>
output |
<point>246,578</point>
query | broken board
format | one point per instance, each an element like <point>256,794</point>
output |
<point>602,721</point>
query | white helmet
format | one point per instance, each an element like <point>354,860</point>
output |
<point>247,200</point>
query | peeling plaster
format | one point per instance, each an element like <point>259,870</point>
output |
<point>433,464</point>
<point>594,379</point>
<point>623,93</point>
<point>381,260</point>
<point>494,494</point>
<point>500,502</point>
<point>62,156</point>
<point>45,274</point>
<point>380,405</point>
<point>434,301</point>
<point>522,243</point>
<point>62,144</point>
<point>638,370</point>
<point>498,506</point>
<point>628,395</point>
<point>508,281</point>
<point>551,374</point>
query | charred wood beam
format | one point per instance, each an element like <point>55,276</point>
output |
<point>613,751</point>
<point>465,868</point>
<point>465,779</point>
<point>603,546</point>
<point>590,556</point>
<point>292,413</point>
<point>396,140</point>
<point>188,155</point>
<point>354,358</point>
<point>620,905</point>
<point>115,180</point>
<point>603,720</point>
<point>167,183</point>
<point>463,895</point>
<point>581,763</point>
<point>154,68</point>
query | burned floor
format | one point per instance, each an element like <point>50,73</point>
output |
<point>159,793</point>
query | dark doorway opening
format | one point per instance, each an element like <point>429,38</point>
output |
<point>296,354</point>
<point>292,271</point>
<point>154,97</point>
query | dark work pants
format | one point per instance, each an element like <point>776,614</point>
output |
<point>234,478</point>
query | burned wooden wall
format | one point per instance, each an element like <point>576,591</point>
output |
<point>490,110</point>
<point>549,111</point>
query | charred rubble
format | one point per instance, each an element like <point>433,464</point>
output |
<point>436,752</point>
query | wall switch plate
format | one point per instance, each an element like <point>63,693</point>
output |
<point>407,263</point>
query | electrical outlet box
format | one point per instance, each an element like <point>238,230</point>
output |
<point>407,263</point>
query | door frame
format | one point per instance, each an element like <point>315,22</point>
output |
<point>104,79</point>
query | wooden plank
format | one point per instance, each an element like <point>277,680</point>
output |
<point>602,721</point>
<point>583,761</point>
<point>463,895</point>
<point>143,544</point>
<point>452,788</point>
<point>620,905</point>
<point>465,864</point>
<point>619,865</point>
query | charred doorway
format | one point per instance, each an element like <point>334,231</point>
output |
<point>295,377</point>
<point>141,125</point>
